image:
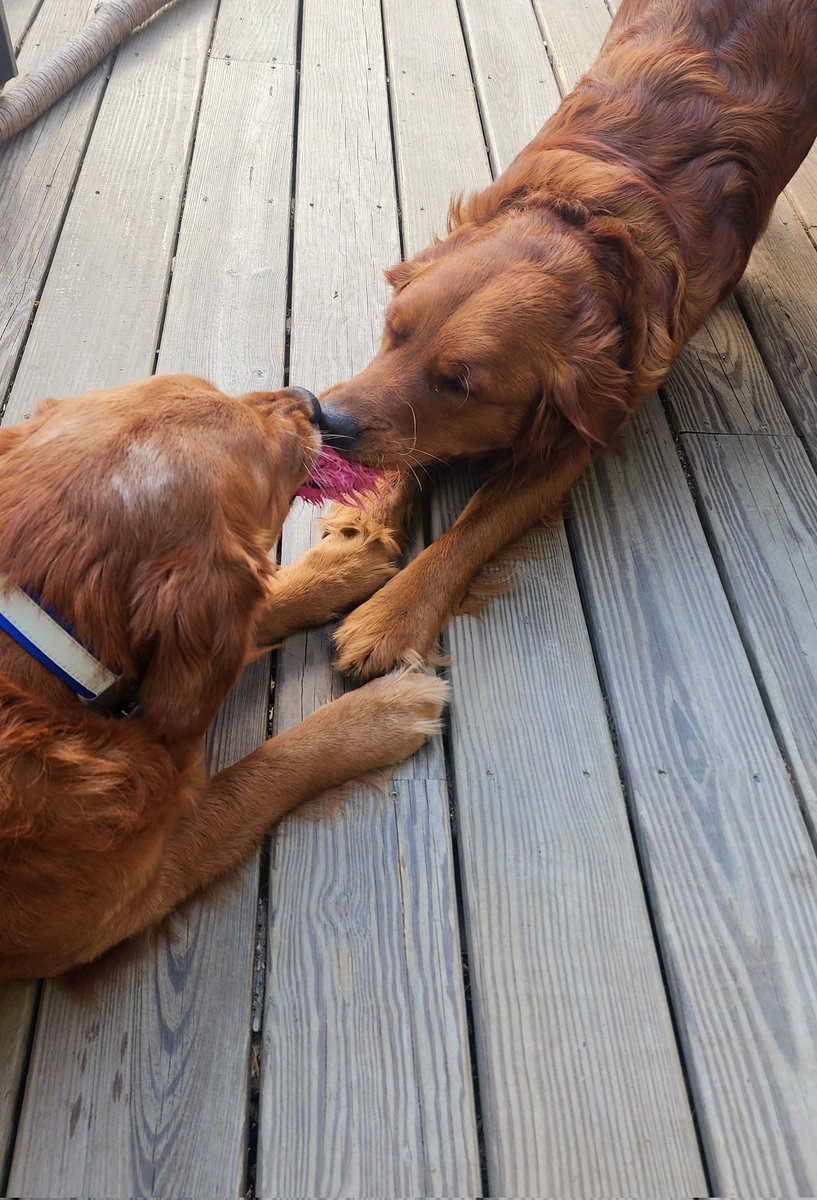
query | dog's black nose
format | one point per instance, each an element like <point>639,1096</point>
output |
<point>315,414</point>
<point>338,428</point>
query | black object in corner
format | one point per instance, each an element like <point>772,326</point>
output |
<point>8,63</point>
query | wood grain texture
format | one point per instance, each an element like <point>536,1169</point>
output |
<point>135,1115</point>
<point>759,497</point>
<point>514,80</point>
<point>777,293</point>
<point>731,871</point>
<point>142,1081</point>
<point>366,1081</point>
<point>802,191</point>
<point>107,283</point>
<point>17,1003</point>
<point>566,989</point>
<point>720,384</point>
<point>235,233</point>
<point>260,32</point>
<point>439,143</point>
<point>37,172</point>
<point>580,1082</point>
<point>365,1089</point>
<point>573,31</point>
<point>346,212</point>
<point>137,1086</point>
<point>18,15</point>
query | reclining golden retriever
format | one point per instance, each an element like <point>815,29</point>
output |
<point>142,518</point>
<point>564,291</point>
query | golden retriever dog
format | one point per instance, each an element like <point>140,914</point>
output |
<point>564,291</point>
<point>142,519</point>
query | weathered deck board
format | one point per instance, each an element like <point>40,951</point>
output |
<point>37,172</point>
<point>115,1078</point>
<point>515,83</point>
<point>263,33</point>
<point>16,1012</point>
<point>566,988</point>
<point>107,283</point>
<point>18,14</point>
<point>366,1084</point>
<point>228,298</point>
<point>802,191</point>
<point>186,1005</point>
<point>778,293</point>
<point>720,833</point>
<point>720,384</point>
<point>760,500</point>
<point>571,980</point>
<point>732,874</point>
<point>437,155</point>
<point>574,32</point>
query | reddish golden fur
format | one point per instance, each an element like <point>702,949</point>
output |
<point>145,515</point>
<point>563,292</point>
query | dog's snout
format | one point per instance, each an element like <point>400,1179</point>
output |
<point>338,428</point>
<point>315,415</point>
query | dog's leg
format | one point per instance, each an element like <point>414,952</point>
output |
<point>214,824</point>
<point>365,730</point>
<point>356,556</point>
<point>405,618</point>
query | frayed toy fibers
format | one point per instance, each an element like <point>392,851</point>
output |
<point>335,478</point>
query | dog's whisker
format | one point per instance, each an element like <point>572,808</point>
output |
<point>417,479</point>
<point>434,458</point>
<point>465,380</point>
<point>414,418</point>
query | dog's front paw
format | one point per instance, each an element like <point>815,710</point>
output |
<point>357,555</point>
<point>405,710</point>
<point>390,629</point>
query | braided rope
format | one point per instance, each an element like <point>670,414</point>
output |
<point>29,98</point>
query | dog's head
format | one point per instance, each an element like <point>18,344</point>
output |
<point>507,331</point>
<point>144,515</point>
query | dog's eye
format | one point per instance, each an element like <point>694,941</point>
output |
<point>457,384</point>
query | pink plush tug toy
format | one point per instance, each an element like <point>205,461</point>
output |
<point>335,478</point>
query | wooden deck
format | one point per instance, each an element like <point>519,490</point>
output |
<point>573,952</point>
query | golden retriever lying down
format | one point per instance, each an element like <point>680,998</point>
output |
<point>564,291</point>
<point>142,518</point>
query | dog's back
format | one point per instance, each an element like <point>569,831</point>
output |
<point>714,102</point>
<point>734,77</point>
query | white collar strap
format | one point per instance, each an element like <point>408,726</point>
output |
<point>41,633</point>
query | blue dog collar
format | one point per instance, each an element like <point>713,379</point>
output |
<point>45,638</point>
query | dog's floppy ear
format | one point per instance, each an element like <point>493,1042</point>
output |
<point>647,323</point>
<point>594,400</point>
<point>44,405</point>
<point>600,385</point>
<point>191,625</point>
<point>401,274</point>
<point>13,436</point>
